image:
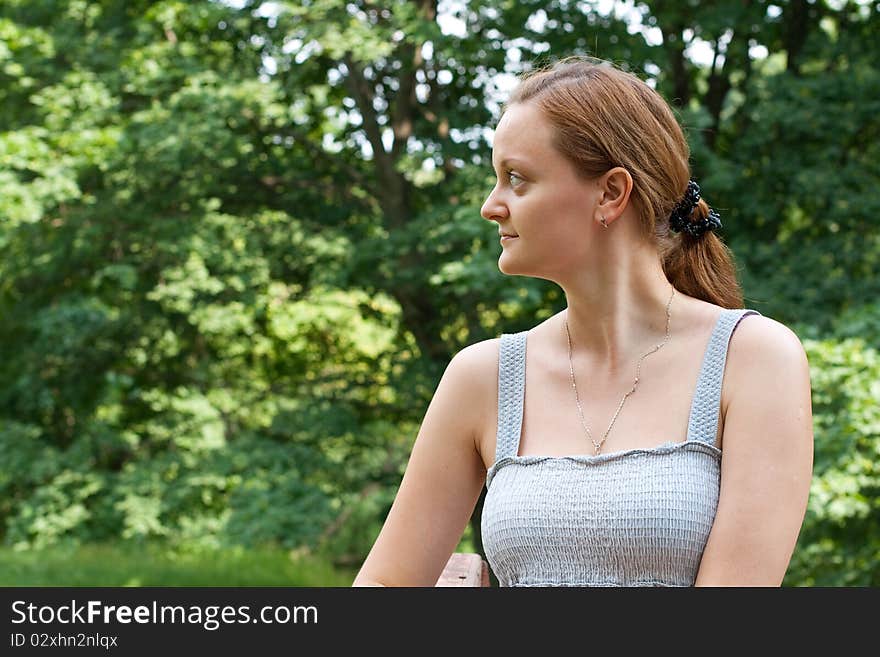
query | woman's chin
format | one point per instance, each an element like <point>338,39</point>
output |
<point>509,266</point>
<point>515,267</point>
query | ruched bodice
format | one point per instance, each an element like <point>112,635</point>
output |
<point>639,517</point>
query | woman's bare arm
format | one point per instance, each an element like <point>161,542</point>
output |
<point>767,464</point>
<point>443,478</point>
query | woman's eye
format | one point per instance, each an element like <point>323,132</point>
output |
<point>511,174</point>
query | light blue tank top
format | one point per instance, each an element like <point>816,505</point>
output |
<point>639,517</point>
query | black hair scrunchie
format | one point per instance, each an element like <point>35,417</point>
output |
<point>680,221</point>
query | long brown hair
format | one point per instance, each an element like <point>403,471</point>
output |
<point>604,117</point>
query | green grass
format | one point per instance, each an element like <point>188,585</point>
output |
<point>127,565</point>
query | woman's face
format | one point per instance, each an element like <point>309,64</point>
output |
<point>539,198</point>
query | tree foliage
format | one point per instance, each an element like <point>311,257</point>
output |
<point>240,241</point>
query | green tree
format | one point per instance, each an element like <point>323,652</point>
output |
<point>240,241</point>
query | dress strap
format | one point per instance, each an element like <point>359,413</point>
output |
<point>706,405</point>
<point>511,392</point>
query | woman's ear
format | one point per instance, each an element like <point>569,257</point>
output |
<point>615,186</point>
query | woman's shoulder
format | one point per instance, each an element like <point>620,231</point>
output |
<point>762,352</point>
<point>756,341</point>
<point>477,358</point>
<point>754,331</point>
<point>762,338</point>
<point>473,373</point>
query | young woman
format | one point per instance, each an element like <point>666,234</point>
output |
<point>652,433</point>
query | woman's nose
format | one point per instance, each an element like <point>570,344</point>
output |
<point>492,209</point>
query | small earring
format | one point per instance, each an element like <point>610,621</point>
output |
<point>604,224</point>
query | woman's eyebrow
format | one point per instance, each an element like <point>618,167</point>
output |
<point>510,160</point>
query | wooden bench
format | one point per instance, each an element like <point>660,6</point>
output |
<point>465,569</point>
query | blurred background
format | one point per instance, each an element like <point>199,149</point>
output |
<point>240,241</point>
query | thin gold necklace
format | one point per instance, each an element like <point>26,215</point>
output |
<point>598,446</point>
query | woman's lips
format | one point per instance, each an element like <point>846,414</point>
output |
<point>507,238</point>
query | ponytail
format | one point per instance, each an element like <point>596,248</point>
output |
<point>702,267</point>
